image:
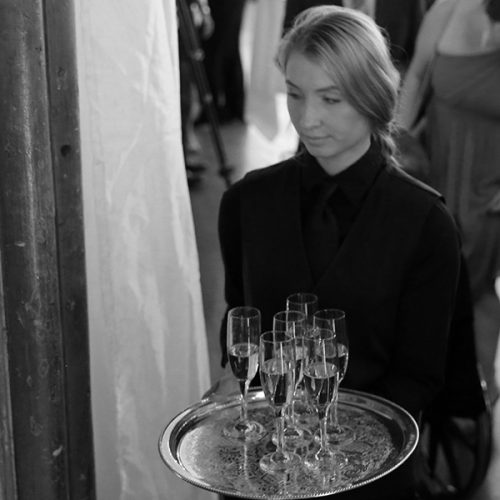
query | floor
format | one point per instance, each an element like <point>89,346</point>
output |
<point>247,149</point>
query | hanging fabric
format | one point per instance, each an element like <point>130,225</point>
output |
<point>149,357</point>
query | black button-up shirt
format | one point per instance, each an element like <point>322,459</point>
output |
<point>353,185</point>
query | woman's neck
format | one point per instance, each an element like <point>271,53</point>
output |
<point>333,166</point>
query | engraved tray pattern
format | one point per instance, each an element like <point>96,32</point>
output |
<point>194,447</point>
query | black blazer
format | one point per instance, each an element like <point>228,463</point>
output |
<point>395,274</point>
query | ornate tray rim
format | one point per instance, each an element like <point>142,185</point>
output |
<point>208,405</point>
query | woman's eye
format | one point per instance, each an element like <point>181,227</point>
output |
<point>331,100</point>
<point>292,95</point>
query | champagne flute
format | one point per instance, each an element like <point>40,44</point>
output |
<point>277,367</point>
<point>306,303</point>
<point>293,323</point>
<point>243,331</point>
<point>321,381</point>
<point>335,319</point>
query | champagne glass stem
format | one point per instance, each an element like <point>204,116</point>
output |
<point>302,393</point>
<point>323,424</point>
<point>334,413</point>
<point>292,412</point>
<point>280,432</point>
<point>244,384</point>
<point>323,434</point>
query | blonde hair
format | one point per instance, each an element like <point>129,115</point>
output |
<point>352,49</point>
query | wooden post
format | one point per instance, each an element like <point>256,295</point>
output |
<point>7,468</point>
<point>42,258</point>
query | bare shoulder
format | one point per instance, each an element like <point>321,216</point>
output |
<point>430,32</point>
<point>442,8</point>
<point>435,21</point>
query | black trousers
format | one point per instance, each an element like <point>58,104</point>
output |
<point>223,59</point>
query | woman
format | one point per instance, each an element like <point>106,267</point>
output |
<point>392,254</point>
<point>459,47</point>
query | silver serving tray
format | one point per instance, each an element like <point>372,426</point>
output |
<point>194,447</point>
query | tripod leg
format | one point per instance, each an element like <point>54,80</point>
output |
<point>189,38</point>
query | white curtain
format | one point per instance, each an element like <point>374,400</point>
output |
<point>149,358</point>
<point>266,81</point>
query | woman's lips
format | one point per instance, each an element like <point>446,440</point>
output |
<point>313,139</point>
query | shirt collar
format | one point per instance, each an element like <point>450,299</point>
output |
<point>354,181</point>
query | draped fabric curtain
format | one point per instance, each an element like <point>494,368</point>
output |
<point>266,82</point>
<point>149,357</point>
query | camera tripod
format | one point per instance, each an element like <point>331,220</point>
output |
<point>189,37</point>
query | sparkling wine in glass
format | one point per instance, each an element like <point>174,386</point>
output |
<point>293,322</point>
<point>277,375</point>
<point>306,303</point>
<point>321,382</point>
<point>335,319</point>
<point>243,331</point>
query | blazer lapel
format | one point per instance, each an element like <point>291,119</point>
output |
<point>359,238</point>
<point>272,240</point>
<point>288,229</point>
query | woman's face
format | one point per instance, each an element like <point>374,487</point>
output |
<point>332,130</point>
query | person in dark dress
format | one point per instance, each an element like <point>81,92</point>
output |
<point>202,22</point>
<point>223,59</point>
<point>342,220</point>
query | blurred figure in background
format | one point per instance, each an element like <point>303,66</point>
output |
<point>294,7</point>
<point>190,102</point>
<point>223,60</point>
<point>458,58</point>
<point>400,19</point>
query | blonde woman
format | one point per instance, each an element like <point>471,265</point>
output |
<point>342,220</point>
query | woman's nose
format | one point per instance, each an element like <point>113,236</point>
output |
<point>310,115</point>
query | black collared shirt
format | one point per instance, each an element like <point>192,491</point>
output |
<point>352,183</point>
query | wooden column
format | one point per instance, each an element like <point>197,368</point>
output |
<point>48,450</point>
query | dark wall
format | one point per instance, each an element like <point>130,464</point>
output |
<point>46,448</point>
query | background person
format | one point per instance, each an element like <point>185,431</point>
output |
<point>223,60</point>
<point>399,18</point>
<point>190,102</point>
<point>458,52</point>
